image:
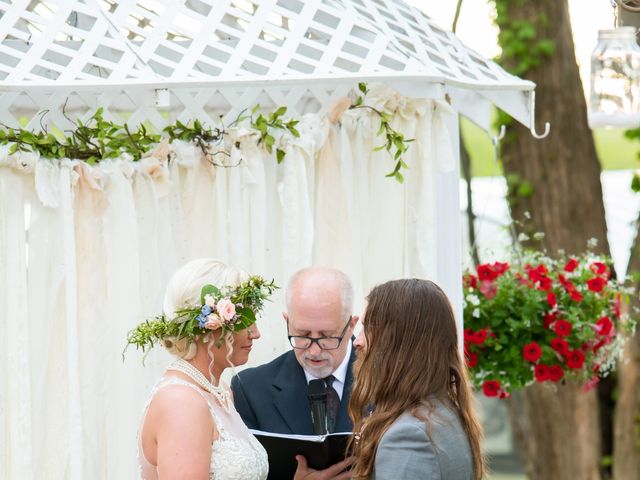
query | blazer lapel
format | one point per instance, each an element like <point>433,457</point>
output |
<point>343,422</point>
<point>290,396</point>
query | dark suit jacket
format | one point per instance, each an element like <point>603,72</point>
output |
<point>273,397</point>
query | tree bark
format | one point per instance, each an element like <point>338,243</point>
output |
<point>565,202</point>
<point>626,436</point>
<point>559,425</point>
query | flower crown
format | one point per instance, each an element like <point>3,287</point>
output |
<point>230,309</point>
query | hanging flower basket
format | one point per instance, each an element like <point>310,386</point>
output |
<point>542,319</point>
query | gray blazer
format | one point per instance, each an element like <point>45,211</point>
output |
<point>409,451</point>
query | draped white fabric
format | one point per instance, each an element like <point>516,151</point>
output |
<point>85,252</point>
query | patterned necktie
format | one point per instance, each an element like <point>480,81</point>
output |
<point>333,403</point>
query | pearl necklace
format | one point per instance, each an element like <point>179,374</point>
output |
<point>219,392</point>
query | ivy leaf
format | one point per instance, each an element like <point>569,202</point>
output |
<point>635,183</point>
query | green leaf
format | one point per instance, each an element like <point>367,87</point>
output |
<point>280,111</point>
<point>635,182</point>
<point>280,155</point>
<point>362,86</point>
<point>209,290</point>
<point>269,141</point>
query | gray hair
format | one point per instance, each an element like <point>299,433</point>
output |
<point>330,276</point>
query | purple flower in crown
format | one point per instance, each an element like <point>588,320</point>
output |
<point>202,320</point>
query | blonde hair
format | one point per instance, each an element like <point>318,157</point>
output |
<point>184,290</point>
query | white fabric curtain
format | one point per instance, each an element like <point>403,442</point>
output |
<point>85,253</point>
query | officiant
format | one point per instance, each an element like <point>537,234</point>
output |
<point>281,396</point>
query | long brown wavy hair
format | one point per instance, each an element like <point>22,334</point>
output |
<point>411,359</point>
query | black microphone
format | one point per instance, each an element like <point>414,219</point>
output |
<point>317,394</point>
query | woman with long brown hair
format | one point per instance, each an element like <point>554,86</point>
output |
<point>411,403</point>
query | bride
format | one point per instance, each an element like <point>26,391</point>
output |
<point>190,428</point>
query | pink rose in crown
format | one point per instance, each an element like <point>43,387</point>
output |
<point>214,322</point>
<point>226,309</point>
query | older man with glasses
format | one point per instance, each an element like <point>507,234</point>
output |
<point>273,397</point>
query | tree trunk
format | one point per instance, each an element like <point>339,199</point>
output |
<point>563,169</point>
<point>626,455</point>
<point>557,426</point>
<point>565,202</point>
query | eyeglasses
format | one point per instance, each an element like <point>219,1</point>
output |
<point>325,343</point>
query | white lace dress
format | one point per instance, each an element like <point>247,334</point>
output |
<point>235,454</point>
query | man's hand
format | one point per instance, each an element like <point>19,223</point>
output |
<point>334,472</point>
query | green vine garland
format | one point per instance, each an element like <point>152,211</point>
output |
<point>98,139</point>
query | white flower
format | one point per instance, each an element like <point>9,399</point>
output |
<point>592,242</point>
<point>473,300</point>
<point>476,313</point>
<point>209,300</point>
<point>523,237</point>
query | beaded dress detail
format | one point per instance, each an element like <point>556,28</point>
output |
<point>235,454</point>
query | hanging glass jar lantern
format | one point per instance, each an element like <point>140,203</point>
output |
<point>614,100</point>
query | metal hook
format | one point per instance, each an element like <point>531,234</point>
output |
<point>501,134</point>
<point>532,119</point>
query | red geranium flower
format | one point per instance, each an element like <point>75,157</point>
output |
<point>600,344</point>
<point>488,289</point>
<point>599,268</point>
<point>485,272</point>
<point>555,373</point>
<point>575,359</point>
<point>476,338</point>
<point>535,272</point>
<point>560,345</point>
<point>604,326</point>
<point>531,352</point>
<point>596,284</point>
<point>544,284</point>
<point>470,281</point>
<point>591,384</point>
<point>491,388</point>
<point>549,318</point>
<point>500,267</point>
<point>575,295</point>
<point>551,299</point>
<point>562,328</point>
<point>472,359</point>
<point>571,265</point>
<point>541,373</point>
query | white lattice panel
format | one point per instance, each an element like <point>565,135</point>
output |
<point>205,39</point>
<point>57,109</point>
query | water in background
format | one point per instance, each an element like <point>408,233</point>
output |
<point>621,209</point>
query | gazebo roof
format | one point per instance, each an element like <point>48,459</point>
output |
<point>79,43</point>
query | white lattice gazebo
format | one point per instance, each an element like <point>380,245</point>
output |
<point>157,61</point>
<point>210,54</point>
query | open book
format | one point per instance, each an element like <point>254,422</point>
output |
<point>321,451</point>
